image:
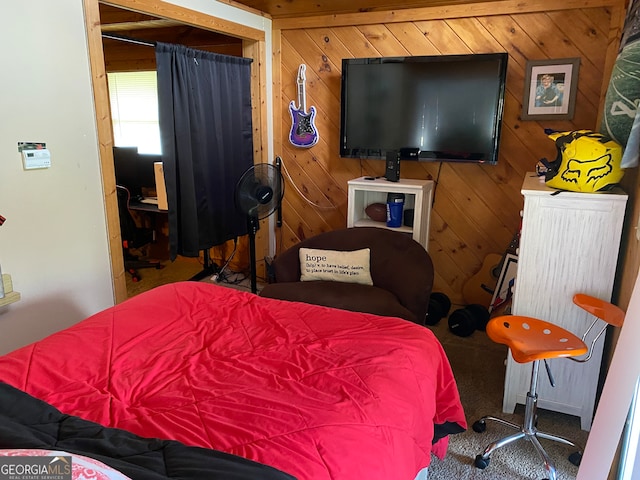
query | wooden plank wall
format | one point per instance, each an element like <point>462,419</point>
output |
<point>477,207</point>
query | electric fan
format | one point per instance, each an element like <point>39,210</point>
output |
<point>258,194</point>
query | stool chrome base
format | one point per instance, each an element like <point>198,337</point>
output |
<point>526,431</point>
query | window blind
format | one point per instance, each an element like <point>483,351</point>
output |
<point>134,110</point>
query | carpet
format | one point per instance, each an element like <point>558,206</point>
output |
<point>479,368</point>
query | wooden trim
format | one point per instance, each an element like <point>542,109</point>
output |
<point>276,82</point>
<point>105,142</point>
<point>441,12</point>
<point>189,17</point>
<point>242,6</point>
<point>257,50</point>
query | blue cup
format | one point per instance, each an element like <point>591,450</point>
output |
<point>395,205</point>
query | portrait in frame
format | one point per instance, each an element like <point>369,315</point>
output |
<point>550,88</point>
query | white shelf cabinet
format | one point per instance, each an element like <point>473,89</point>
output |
<point>418,195</point>
<point>569,244</point>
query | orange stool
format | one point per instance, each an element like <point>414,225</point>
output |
<point>533,340</point>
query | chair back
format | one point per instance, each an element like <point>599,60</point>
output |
<point>608,312</point>
<point>602,311</point>
<point>127,223</point>
<point>132,235</point>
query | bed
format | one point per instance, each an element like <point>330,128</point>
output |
<point>313,392</point>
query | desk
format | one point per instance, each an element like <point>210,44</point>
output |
<point>145,207</point>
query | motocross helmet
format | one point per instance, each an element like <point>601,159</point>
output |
<point>587,161</point>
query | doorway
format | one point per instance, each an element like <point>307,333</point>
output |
<point>152,15</point>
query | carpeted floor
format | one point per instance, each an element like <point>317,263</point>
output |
<point>478,365</point>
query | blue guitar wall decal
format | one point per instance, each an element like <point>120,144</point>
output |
<point>303,129</point>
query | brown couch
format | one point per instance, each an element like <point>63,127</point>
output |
<point>401,270</point>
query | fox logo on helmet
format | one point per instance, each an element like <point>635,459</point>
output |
<point>591,170</point>
<point>587,162</point>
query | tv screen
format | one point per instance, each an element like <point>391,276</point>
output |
<point>440,108</point>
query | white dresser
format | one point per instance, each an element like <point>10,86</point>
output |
<point>569,243</point>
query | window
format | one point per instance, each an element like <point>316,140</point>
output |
<point>134,110</point>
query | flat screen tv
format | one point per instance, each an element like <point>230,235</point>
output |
<point>438,108</point>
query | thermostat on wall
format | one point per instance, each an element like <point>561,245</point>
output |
<point>36,159</point>
<point>34,155</point>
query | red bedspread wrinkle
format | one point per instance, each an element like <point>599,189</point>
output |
<point>317,392</point>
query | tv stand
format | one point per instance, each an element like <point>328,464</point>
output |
<point>364,191</point>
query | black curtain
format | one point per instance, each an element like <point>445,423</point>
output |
<point>204,104</point>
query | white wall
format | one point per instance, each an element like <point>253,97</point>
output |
<point>617,393</point>
<point>54,241</point>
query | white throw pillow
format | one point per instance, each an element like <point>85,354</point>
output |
<point>336,266</point>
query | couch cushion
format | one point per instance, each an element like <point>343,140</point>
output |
<point>336,266</point>
<point>346,296</point>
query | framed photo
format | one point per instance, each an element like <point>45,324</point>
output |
<point>550,88</point>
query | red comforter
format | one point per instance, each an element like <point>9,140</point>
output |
<point>317,392</point>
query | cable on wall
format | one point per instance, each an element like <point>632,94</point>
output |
<point>306,199</point>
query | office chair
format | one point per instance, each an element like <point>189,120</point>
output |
<point>533,340</point>
<point>133,237</point>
